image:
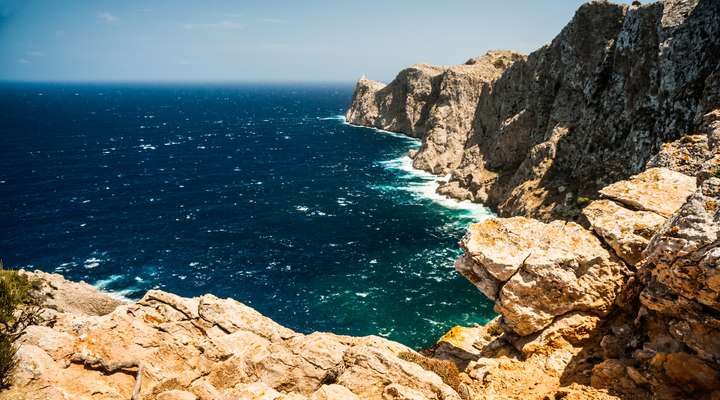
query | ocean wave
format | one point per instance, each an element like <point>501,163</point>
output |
<point>424,184</point>
<point>414,141</point>
<point>104,286</point>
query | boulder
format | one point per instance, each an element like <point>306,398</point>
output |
<point>659,190</point>
<point>627,232</point>
<point>541,271</point>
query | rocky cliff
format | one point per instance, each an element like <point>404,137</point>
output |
<point>532,135</point>
<point>623,106</point>
<point>614,125</point>
<point>166,347</point>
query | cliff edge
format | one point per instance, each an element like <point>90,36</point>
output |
<point>534,135</point>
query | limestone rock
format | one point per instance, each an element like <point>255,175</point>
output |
<point>685,155</point>
<point>564,333</point>
<point>658,190</point>
<point>590,108</point>
<point>686,252</point>
<point>73,297</point>
<point>208,348</point>
<point>546,270</point>
<point>333,392</point>
<point>176,395</point>
<point>628,232</point>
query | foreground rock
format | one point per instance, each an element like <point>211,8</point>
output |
<point>537,271</point>
<point>207,348</point>
<point>627,232</point>
<point>658,190</point>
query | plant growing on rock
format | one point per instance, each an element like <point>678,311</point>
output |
<point>18,310</point>
<point>446,370</point>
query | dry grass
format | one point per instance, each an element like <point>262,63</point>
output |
<point>446,370</point>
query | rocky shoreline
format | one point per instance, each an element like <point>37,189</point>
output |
<point>601,153</point>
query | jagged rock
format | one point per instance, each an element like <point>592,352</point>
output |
<point>590,108</point>
<point>208,348</point>
<point>659,190</point>
<point>564,333</point>
<point>546,270</point>
<point>685,155</point>
<point>627,232</point>
<point>686,252</point>
<point>72,297</point>
<point>455,191</point>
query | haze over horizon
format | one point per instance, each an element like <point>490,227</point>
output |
<point>277,40</point>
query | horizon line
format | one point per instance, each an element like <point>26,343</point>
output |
<point>162,82</point>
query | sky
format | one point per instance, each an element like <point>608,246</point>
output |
<point>268,40</point>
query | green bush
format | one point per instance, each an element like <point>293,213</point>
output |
<point>583,200</point>
<point>18,310</point>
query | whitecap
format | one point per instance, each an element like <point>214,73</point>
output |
<point>424,184</point>
<point>92,262</point>
<point>416,142</point>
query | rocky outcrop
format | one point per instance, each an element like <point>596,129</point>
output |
<point>537,272</point>
<point>204,348</point>
<point>437,104</point>
<point>658,190</point>
<point>643,318</point>
<point>627,232</point>
<point>590,108</point>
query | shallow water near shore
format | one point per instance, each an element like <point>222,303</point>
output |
<point>257,192</point>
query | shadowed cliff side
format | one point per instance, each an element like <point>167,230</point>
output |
<point>588,109</point>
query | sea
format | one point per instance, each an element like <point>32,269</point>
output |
<point>258,192</point>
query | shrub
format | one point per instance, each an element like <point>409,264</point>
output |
<point>18,310</point>
<point>583,200</point>
<point>446,370</point>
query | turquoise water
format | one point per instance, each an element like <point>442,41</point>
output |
<point>258,192</point>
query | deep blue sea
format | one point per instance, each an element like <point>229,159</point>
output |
<point>257,192</point>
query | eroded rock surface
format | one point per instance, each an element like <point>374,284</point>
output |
<point>627,232</point>
<point>537,271</point>
<point>588,109</point>
<point>207,348</point>
<point>659,190</point>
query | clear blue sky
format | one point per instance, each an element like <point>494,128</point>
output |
<point>268,40</point>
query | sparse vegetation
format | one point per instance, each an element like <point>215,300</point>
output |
<point>717,173</point>
<point>446,370</point>
<point>494,329</point>
<point>583,200</point>
<point>18,310</point>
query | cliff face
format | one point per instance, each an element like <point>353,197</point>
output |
<point>615,124</point>
<point>588,109</point>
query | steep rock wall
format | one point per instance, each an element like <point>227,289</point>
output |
<point>588,109</point>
